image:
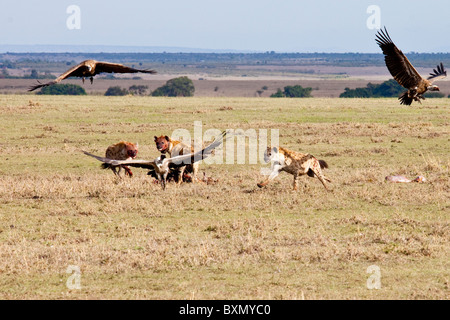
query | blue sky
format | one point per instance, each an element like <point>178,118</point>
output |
<point>242,25</point>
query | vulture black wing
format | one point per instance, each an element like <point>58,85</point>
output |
<point>72,72</point>
<point>438,73</point>
<point>398,65</point>
<point>147,164</point>
<point>118,68</point>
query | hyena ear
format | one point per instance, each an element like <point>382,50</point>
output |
<point>167,138</point>
<point>156,138</point>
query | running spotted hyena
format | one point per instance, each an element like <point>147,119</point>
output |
<point>122,150</point>
<point>295,163</point>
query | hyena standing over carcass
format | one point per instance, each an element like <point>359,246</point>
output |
<point>295,163</point>
<point>122,150</point>
<point>165,144</point>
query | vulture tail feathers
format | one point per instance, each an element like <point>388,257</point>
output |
<point>404,99</point>
<point>105,166</point>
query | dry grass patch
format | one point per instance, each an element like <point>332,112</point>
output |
<point>228,240</point>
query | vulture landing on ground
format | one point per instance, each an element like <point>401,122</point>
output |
<point>89,68</point>
<point>162,165</point>
<point>404,72</point>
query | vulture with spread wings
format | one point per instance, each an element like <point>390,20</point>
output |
<point>89,68</point>
<point>404,73</point>
<point>162,165</point>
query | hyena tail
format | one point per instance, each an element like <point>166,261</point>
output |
<point>323,164</point>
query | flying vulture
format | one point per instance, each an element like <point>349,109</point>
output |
<point>162,165</point>
<point>89,68</point>
<point>404,73</point>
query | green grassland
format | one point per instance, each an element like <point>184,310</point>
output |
<point>228,240</point>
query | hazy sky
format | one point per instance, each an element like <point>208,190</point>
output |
<point>248,25</point>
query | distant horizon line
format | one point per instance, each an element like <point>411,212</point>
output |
<point>59,48</point>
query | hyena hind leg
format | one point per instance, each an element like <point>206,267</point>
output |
<point>194,173</point>
<point>180,175</point>
<point>318,172</point>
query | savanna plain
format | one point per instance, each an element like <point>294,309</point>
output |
<point>227,240</point>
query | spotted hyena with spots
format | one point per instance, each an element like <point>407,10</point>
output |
<point>122,150</point>
<point>173,148</point>
<point>295,163</point>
